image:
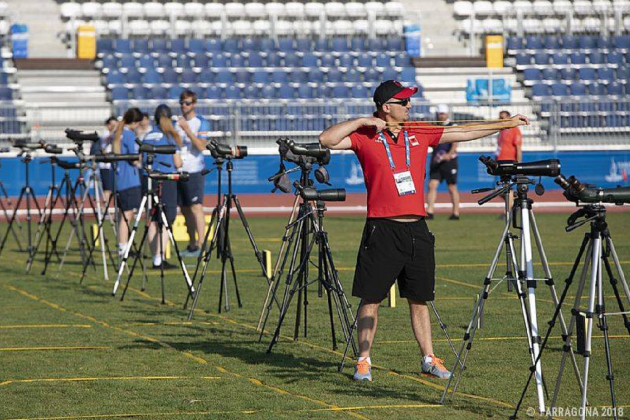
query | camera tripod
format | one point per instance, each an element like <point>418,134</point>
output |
<point>221,242</point>
<point>154,207</point>
<point>596,249</point>
<point>3,208</point>
<point>28,194</point>
<point>519,276</point>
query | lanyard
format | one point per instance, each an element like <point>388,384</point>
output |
<point>389,153</point>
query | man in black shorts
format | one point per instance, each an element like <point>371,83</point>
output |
<point>444,167</point>
<point>396,243</point>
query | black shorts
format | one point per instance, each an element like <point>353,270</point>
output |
<point>445,171</point>
<point>190,192</point>
<point>168,197</point>
<point>107,179</point>
<point>395,250</point>
<point>129,199</point>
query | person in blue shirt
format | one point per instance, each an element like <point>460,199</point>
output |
<point>163,134</point>
<point>194,130</point>
<point>127,173</point>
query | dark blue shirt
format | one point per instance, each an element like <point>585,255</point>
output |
<point>127,174</point>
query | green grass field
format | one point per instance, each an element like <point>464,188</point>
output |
<point>70,351</point>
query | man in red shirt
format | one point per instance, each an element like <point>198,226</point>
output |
<point>396,243</point>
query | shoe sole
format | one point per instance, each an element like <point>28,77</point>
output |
<point>430,375</point>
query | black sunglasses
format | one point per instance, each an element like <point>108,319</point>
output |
<point>404,102</point>
<point>187,103</point>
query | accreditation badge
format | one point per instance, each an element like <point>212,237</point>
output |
<point>404,183</point>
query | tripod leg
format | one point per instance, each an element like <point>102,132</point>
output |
<point>135,261</point>
<point>41,228</point>
<point>350,338</point>
<point>613,283</point>
<point>622,277</point>
<point>15,212</point>
<point>6,215</point>
<point>603,326</point>
<point>123,263</point>
<point>259,255</point>
<point>202,252</point>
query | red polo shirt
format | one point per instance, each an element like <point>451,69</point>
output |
<point>382,196</point>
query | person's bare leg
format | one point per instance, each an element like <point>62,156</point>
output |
<point>452,189</point>
<point>432,195</point>
<point>123,228</point>
<point>421,325</point>
<point>191,227</point>
<point>200,223</point>
<point>367,320</point>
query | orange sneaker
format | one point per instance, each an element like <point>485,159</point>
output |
<point>363,371</point>
<point>435,368</point>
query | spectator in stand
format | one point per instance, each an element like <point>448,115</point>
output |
<point>443,167</point>
<point>509,145</point>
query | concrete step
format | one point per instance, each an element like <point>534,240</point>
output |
<point>83,81</point>
<point>69,97</point>
<point>53,115</point>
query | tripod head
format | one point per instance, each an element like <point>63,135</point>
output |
<point>223,151</point>
<point>593,213</point>
<point>305,156</point>
<point>26,148</point>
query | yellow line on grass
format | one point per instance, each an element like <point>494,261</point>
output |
<point>508,338</point>
<point>460,283</point>
<point>42,326</point>
<point>112,378</point>
<point>55,348</point>
<point>168,346</point>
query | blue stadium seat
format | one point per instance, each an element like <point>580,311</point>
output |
<point>346,60</point>
<point>178,46</point>
<point>267,44</point>
<point>202,60</point>
<point>578,89</point>
<point>394,44</point>
<point>623,73</point>
<point>559,58</point>
<point>109,61</point>
<point>268,92</point>
<point>316,76</point>
<point>291,60</point>
<point>365,60</point>
<point>274,59</point>
<point>515,43</point>
<point>279,76</point>
<point>549,73</point>
<point>606,74</point>
<point>322,45</point>
<point>164,61</point>
<point>340,91</point>
<point>303,44</point>
<point>232,92</point>
<point>587,74</point>
<point>120,93</point>
<point>622,41</point>
<point>250,44</point>
<point>596,57</point>
<point>523,59</point>
<point>310,60</point>
<point>122,46</point>
<point>158,92</point>
<point>115,77</point>
<point>568,74</point>
<point>353,76</point>
<point>615,57</point>
<point>213,45</point>
<point>133,76</point>
<point>383,60</point>
<point>323,91</point>
<point>214,92</point>
<point>127,61</point>
<point>532,74</point>
<point>260,76</point>
<point>305,91</point>
<point>230,45</point>
<point>541,58</point>
<point>339,44</point>
<point>285,45</point>
<point>559,89</point>
<point>603,42</point>
<point>237,60</point>
<point>151,76</point>
<point>219,60</point>
<point>402,60</point>
<point>105,46</point>
<point>551,43</point>
<point>6,93</point>
<point>224,75</point>
<point>196,46</point>
<point>615,89</point>
<point>255,59</point>
<point>533,43</point>
<point>159,46</point>
<point>146,61</point>
<point>376,44</point>
<point>286,91</point>
<point>242,76</point>
<point>359,91</point>
<point>334,75</point>
<point>587,42</point>
<point>184,61</point>
<point>540,90</point>
<point>389,74</point>
<point>597,89</point>
<point>141,46</point>
<point>357,44</point>
<point>170,76</point>
<point>328,60</point>
<point>139,92</point>
<point>189,76</point>
<point>251,92</point>
<point>299,76</point>
<point>408,75</point>
<point>175,91</point>
<point>206,76</point>
<point>569,42</point>
<point>578,58</point>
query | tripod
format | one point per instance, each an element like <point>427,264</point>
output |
<point>519,276</point>
<point>221,239</point>
<point>152,203</point>
<point>3,207</point>
<point>596,249</point>
<point>28,193</point>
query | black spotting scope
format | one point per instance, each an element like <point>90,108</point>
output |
<point>167,149</point>
<point>111,157</point>
<point>80,136</point>
<point>333,194</point>
<point>218,150</point>
<point>548,167</point>
<point>576,191</point>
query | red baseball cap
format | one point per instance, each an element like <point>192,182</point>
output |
<point>392,89</point>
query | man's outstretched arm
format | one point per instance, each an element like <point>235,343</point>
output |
<point>336,137</point>
<point>475,131</point>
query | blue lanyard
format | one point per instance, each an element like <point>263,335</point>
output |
<point>389,153</point>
